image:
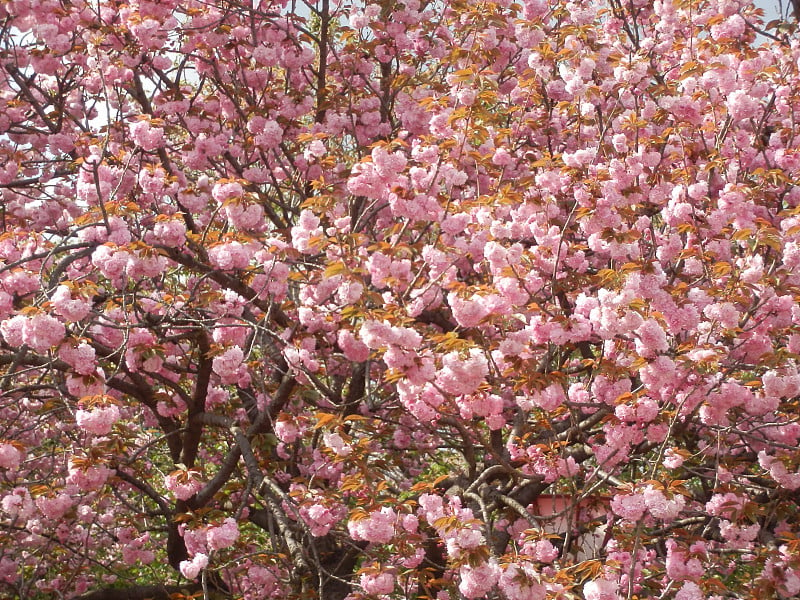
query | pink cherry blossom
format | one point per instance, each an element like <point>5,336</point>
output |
<point>184,484</point>
<point>191,568</point>
<point>601,589</point>
<point>690,591</point>
<point>651,338</point>
<point>378,527</point>
<point>286,430</point>
<point>18,503</point>
<point>630,507</point>
<point>319,518</point>
<point>306,230</point>
<point>169,232</point>
<point>229,364</point>
<point>741,105</point>
<point>65,305</point>
<point>353,349</point>
<point>222,536</point>
<point>40,331</point>
<point>55,507</point>
<point>99,420</point>
<point>660,506</point>
<point>10,457</point>
<point>462,375</point>
<point>145,135</point>
<point>80,357</point>
<point>467,313</point>
<point>378,583</point>
<point>477,581</point>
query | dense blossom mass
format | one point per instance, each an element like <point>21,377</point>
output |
<point>414,299</point>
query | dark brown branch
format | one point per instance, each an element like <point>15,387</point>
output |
<point>38,179</point>
<point>142,592</point>
<point>221,477</point>
<point>194,429</point>
<point>144,394</point>
<point>322,75</point>
<point>145,488</point>
<point>230,282</point>
<point>25,90</point>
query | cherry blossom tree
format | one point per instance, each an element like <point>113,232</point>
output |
<point>405,300</point>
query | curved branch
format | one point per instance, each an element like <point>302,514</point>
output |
<point>142,592</point>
